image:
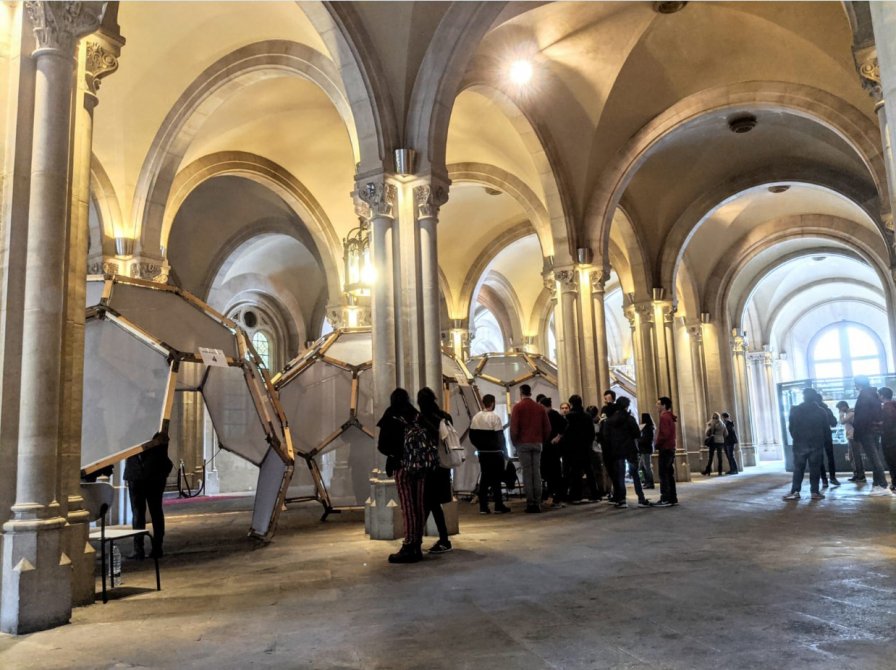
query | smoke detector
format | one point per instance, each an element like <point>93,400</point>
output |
<point>742,123</point>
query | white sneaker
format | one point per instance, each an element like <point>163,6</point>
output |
<point>792,496</point>
<point>879,491</point>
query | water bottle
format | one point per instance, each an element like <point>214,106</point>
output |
<point>115,568</point>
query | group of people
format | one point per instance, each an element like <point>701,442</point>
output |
<point>721,437</point>
<point>870,429</point>
<point>558,453</point>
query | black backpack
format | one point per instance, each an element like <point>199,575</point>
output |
<point>421,455</point>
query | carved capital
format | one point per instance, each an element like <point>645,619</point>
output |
<point>667,309</point>
<point>58,25</point>
<point>696,333</point>
<point>599,279</point>
<point>639,313</point>
<point>738,342</point>
<point>102,60</point>
<point>375,199</point>
<point>569,280</point>
<point>869,71</point>
<point>428,198</point>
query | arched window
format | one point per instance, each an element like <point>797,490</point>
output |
<point>846,349</point>
<point>262,343</point>
<point>487,334</point>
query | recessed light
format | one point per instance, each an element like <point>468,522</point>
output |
<point>520,72</point>
<point>491,191</point>
<point>779,188</point>
<point>819,258</point>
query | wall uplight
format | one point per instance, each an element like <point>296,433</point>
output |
<point>520,72</point>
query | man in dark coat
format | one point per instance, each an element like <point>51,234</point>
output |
<point>551,465</point>
<point>867,425</point>
<point>146,474</point>
<point>828,444</point>
<point>808,425</point>
<point>621,433</point>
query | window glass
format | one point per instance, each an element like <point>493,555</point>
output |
<point>866,366</point>
<point>828,370</point>
<point>860,343</point>
<point>845,350</point>
<point>827,348</point>
<point>262,345</point>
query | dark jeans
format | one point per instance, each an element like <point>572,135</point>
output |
<point>890,456</point>
<point>551,472</point>
<point>667,476</point>
<point>636,479</point>
<point>831,467</point>
<point>438,515</point>
<point>714,447</point>
<point>858,462</point>
<point>871,449</point>
<point>732,462</point>
<point>491,466</point>
<point>803,455</point>
<point>647,467</point>
<point>145,494</point>
<point>579,466</point>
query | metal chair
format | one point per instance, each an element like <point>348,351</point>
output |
<point>98,498</point>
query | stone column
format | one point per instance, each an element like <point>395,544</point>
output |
<point>427,201</point>
<point>98,58</point>
<point>587,341</point>
<point>567,337</point>
<point>698,454</point>
<point>742,398</point>
<point>601,349</point>
<point>377,204</point>
<point>640,317</point>
<point>770,376</point>
<point>877,68</point>
<point>36,570</point>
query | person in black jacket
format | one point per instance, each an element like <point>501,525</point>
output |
<point>606,412</point>
<point>828,443</point>
<point>390,442</point>
<point>645,449</point>
<point>551,463</point>
<point>866,431</point>
<point>578,441</point>
<point>730,443</point>
<point>437,488</point>
<point>807,424</point>
<point>487,435</point>
<point>621,433</point>
<point>146,474</point>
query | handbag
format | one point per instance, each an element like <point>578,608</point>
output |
<point>708,441</point>
<point>451,451</point>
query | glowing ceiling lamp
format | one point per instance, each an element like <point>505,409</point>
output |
<point>520,72</point>
<point>359,272</point>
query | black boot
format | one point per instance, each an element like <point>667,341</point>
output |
<point>409,553</point>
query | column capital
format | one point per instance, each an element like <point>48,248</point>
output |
<point>667,308</point>
<point>568,279</point>
<point>428,198</point>
<point>599,279</point>
<point>639,312</point>
<point>58,25</point>
<point>868,68</point>
<point>695,330</point>
<point>375,197</point>
<point>102,59</point>
<point>738,342</point>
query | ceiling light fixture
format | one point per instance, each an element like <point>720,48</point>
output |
<point>742,123</point>
<point>520,72</point>
<point>779,188</point>
<point>668,7</point>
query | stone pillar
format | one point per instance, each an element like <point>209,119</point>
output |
<point>877,68</point>
<point>98,58</point>
<point>428,201</point>
<point>742,398</point>
<point>36,570</point>
<point>377,203</point>
<point>770,378</point>
<point>601,349</point>
<point>698,454</point>
<point>640,317</point>
<point>587,341</point>
<point>567,336</point>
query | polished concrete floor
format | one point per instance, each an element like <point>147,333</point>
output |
<point>732,578</point>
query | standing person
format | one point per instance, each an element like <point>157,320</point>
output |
<point>866,425</point>
<point>487,435</point>
<point>146,474</point>
<point>847,416</point>
<point>807,425</point>
<point>645,449</point>
<point>888,432</point>
<point>730,444</point>
<point>828,443</point>
<point>437,486</point>
<point>665,446</point>
<point>607,456</point>
<point>622,434</point>
<point>399,415</point>
<point>715,440</point>
<point>578,442</point>
<point>529,428</point>
<point>551,457</point>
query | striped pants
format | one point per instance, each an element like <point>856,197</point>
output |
<point>410,496</point>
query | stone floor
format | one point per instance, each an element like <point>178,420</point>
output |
<point>732,578</point>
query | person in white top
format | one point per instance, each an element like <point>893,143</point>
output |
<point>487,435</point>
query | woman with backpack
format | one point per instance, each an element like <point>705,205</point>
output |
<point>437,489</point>
<point>399,429</point>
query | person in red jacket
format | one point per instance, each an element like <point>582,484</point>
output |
<point>665,446</point>
<point>529,429</point>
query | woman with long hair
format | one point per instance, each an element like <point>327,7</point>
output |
<point>399,415</point>
<point>437,488</point>
<point>715,441</point>
<point>645,449</point>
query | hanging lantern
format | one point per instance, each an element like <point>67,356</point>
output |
<point>359,274</point>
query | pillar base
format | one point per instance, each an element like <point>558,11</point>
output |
<point>770,452</point>
<point>697,460</point>
<point>383,519</point>
<point>83,557</point>
<point>37,576</point>
<point>748,456</point>
<point>682,467</point>
<point>451,520</point>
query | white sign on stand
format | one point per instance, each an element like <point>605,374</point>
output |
<point>213,357</point>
